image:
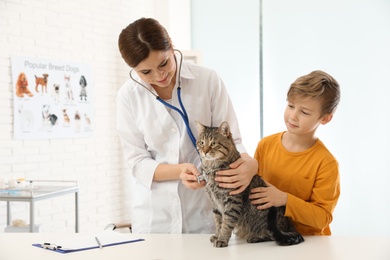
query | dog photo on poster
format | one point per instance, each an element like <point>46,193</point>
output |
<point>52,99</point>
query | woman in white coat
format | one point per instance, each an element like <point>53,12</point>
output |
<point>163,162</point>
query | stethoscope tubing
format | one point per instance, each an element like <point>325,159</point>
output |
<point>182,113</point>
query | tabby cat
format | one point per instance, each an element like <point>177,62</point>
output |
<point>235,212</point>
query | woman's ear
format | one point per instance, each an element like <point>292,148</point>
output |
<point>326,119</point>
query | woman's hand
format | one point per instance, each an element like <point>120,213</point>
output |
<point>266,197</point>
<point>240,174</point>
<point>188,176</point>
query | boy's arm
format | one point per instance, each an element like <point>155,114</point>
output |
<point>317,212</point>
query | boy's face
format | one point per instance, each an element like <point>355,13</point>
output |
<point>303,115</point>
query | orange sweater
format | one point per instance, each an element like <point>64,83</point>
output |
<point>311,179</point>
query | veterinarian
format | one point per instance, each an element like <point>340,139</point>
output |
<point>155,121</point>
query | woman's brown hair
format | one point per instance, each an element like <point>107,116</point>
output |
<point>140,37</point>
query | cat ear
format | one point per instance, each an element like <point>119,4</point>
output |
<point>199,127</point>
<point>224,128</point>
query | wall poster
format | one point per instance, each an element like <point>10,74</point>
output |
<point>52,99</point>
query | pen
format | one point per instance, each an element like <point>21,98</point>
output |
<point>50,246</point>
<point>97,240</point>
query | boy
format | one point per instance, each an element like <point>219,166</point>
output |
<point>300,172</point>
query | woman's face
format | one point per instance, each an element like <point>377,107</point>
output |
<point>158,69</point>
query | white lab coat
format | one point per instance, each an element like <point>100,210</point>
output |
<point>151,134</point>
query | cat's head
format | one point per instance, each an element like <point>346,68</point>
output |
<point>214,143</point>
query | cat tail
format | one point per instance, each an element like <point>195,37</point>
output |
<point>281,237</point>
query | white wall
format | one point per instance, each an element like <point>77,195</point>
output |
<point>350,40</point>
<point>175,16</point>
<point>86,32</point>
<point>226,32</point>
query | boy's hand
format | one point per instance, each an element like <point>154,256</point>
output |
<point>266,197</point>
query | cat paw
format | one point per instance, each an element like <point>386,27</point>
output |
<point>219,243</point>
<point>213,238</point>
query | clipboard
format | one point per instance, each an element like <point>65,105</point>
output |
<point>87,242</point>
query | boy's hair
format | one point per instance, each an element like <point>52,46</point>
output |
<point>318,85</point>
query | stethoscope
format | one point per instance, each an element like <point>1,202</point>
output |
<point>182,112</point>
